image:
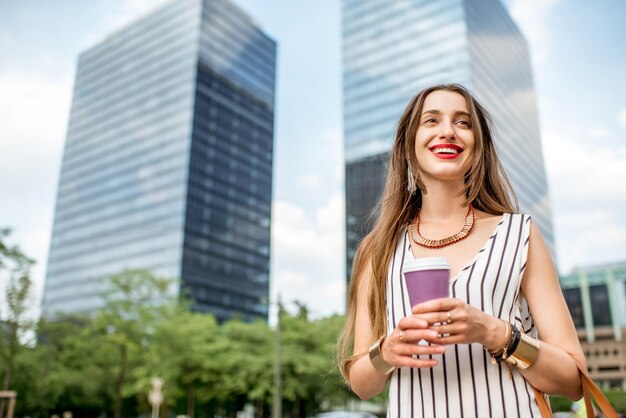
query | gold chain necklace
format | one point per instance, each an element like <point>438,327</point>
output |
<point>414,230</point>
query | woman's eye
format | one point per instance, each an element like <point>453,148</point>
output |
<point>464,123</point>
<point>430,120</point>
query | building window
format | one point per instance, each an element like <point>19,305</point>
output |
<point>600,305</point>
<point>574,303</point>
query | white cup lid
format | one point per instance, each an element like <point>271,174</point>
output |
<point>426,263</point>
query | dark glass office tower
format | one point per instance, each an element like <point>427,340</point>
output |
<point>168,162</point>
<point>393,49</point>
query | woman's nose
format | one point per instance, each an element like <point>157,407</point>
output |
<point>447,130</point>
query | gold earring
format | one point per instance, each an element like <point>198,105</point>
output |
<point>411,183</point>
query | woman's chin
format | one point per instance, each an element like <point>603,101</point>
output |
<point>444,175</point>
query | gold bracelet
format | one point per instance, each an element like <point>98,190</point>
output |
<point>525,354</point>
<point>377,359</point>
<point>500,353</point>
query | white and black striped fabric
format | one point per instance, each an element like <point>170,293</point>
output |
<point>465,383</point>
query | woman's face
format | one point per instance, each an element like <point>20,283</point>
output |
<point>444,142</point>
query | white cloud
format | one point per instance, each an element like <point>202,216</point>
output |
<point>621,118</point>
<point>340,172</point>
<point>331,216</point>
<point>309,181</point>
<point>5,41</point>
<point>308,255</point>
<point>585,175</point>
<point>589,194</point>
<point>333,135</point>
<point>545,105</point>
<point>292,279</point>
<point>33,118</point>
<point>334,138</point>
<point>598,133</point>
<point>533,18</point>
<point>118,14</point>
<point>33,110</point>
<point>589,238</point>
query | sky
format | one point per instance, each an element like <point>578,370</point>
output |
<point>578,58</point>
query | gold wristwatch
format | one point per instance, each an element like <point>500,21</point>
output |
<point>377,359</point>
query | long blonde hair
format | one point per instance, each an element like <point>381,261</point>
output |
<point>487,188</point>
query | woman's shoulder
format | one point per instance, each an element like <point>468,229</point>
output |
<point>489,221</point>
<point>486,216</point>
<point>526,217</point>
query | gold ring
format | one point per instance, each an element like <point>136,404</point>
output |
<point>449,321</point>
<point>401,340</point>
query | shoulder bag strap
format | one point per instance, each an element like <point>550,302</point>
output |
<point>590,390</point>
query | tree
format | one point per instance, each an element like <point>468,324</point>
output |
<point>120,333</point>
<point>312,380</point>
<point>244,355</point>
<point>58,374</point>
<point>183,352</point>
<point>334,392</point>
<point>16,265</point>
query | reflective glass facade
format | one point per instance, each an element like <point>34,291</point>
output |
<point>501,78</point>
<point>391,50</point>
<point>168,162</point>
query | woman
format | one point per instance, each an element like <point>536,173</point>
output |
<point>446,195</point>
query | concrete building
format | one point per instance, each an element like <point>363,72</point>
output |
<point>596,297</point>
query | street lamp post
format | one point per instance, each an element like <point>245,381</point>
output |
<point>277,409</point>
<point>10,395</point>
<point>156,396</point>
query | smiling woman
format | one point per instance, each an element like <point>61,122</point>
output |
<point>445,133</point>
<point>505,329</point>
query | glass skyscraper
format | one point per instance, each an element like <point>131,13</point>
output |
<point>393,49</point>
<point>167,164</point>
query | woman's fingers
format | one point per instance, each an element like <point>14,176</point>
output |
<point>418,349</point>
<point>412,322</point>
<point>436,305</point>
<point>401,346</point>
<point>414,335</point>
<point>438,317</point>
<point>453,329</point>
<point>416,362</point>
<point>405,355</point>
<point>450,339</point>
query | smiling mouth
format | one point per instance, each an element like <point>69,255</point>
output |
<point>446,150</point>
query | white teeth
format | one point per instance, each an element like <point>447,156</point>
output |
<point>445,151</point>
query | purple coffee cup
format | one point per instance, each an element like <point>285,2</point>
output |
<point>426,278</point>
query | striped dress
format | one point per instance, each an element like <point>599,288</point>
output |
<point>465,383</point>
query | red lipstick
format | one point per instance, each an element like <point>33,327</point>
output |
<point>446,151</point>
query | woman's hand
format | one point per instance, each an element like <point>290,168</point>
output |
<point>457,322</point>
<point>401,345</point>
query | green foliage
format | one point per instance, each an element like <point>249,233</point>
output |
<point>560,403</point>
<point>618,399</point>
<point>103,364</point>
<point>16,266</point>
<point>58,373</point>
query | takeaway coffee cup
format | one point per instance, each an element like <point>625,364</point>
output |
<point>426,279</point>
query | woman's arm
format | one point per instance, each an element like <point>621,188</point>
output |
<point>554,371</point>
<point>365,380</point>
